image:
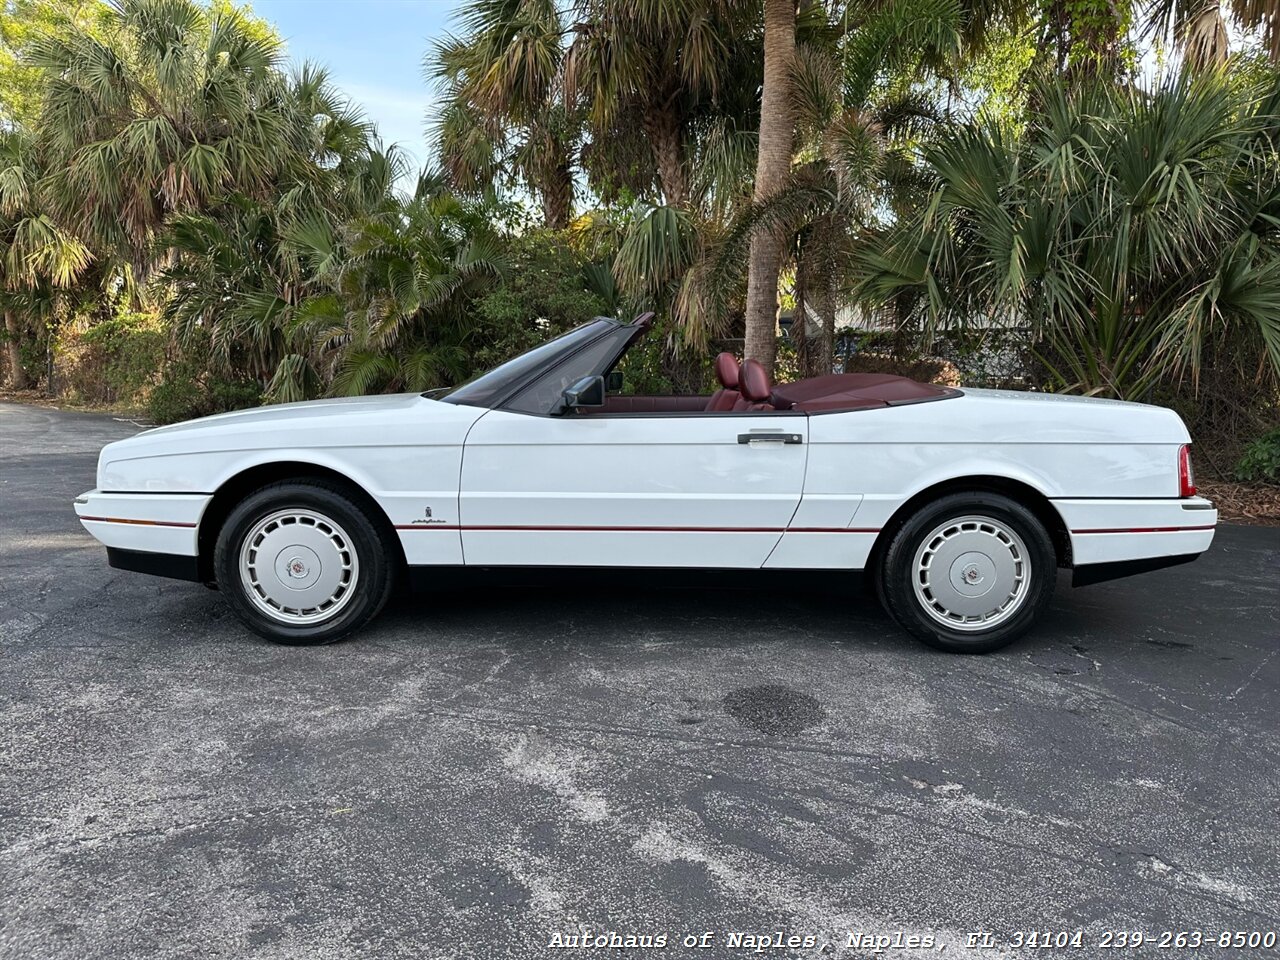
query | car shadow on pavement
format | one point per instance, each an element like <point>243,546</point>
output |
<point>695,606</point>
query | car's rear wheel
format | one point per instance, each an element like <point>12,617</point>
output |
<point>303,563</point>
<point>969,573</point>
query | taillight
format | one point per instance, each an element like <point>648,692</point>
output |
<point>1186,476</point>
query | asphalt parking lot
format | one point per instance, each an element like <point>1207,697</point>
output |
<point>483,770</point>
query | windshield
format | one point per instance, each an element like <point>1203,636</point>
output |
<point>490,388</point>
<point>544,395</point>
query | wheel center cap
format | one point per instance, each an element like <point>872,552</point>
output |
<point>298,567</point>
<point>972,574</point>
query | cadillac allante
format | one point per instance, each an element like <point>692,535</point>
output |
<point>960,505</point>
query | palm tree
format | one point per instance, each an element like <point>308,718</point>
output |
<point>173,107</point>
<point>861,99</point>
<point>867,96</point>
<point>242,269</point>
<point>1134,231</point>
<point>1201,29</point>
<point>777,130</point>
<point>396,287</point>
<point>505,111</point>
<point>650,76</point>
<point>37,257</point>
<point>233,286</point>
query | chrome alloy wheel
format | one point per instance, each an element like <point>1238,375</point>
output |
<point>298,566</point>
<point>972,573</point>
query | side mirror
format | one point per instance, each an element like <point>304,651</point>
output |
<point>613,382</point>
<point>587,392</point>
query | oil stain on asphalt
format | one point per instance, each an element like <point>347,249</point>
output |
<point>773,709</point>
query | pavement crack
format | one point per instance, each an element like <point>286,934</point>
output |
<point>1256,670</point>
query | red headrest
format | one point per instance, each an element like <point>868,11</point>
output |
<point>727,371</point>
<point>753,382</point>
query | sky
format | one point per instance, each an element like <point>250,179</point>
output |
<point>374,50</point>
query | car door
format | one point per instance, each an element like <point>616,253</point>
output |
<point>661,490</point>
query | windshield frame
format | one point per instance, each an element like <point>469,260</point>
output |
<point>600,356</point>
<point>494,387</point>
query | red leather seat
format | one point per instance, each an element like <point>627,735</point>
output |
<point>755,387</point>
<point>727,372</point>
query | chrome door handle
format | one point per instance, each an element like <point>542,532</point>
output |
<point>771,437</point>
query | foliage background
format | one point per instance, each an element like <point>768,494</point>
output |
<point>1040,195</point>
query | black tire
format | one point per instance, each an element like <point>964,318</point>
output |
<point>371,574</point>
<point>1037,569</point>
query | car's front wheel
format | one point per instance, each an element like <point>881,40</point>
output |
<point>303,563</point>
<point>969,573</point>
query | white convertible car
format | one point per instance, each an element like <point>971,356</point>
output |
<point>960,504</point>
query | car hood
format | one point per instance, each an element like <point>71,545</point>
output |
<point>284,414</point>
<point>180,456</point>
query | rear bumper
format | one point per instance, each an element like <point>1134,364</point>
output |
<point>144,522</point>
<point>1101,572</point>
<point>1118,538</point>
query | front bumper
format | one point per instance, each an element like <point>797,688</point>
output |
<point>1116,538</point>
<point>157,523</point>
<point>168,565</point>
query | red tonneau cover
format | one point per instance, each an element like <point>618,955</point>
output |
<point>854,391</point>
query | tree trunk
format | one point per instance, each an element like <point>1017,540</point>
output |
<point>824,305</point>
<point>772,165</point>
<point>13,351</point>
<point>1094,29</point>
<point>557,197</point>
<point>800,322</point>
<point>901,318</point>
<point>662,129</point>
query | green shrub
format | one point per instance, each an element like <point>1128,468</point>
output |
<point>650,368</point>
<point>33,357</point>
<point>184,394</point>
<point>1261,460</point>
<point>134,344</point>
<point>109,361</point>
<point>787,367</point>
<point>544,295</point>
<point>175,400</point>
<point>227,394</point>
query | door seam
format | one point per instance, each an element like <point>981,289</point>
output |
<point>462,461</point>
<point>804,479</point>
